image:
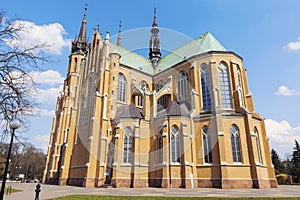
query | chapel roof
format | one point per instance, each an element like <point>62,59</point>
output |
<point>128,111</point>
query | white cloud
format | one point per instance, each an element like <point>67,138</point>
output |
<point>44,112</point>
<point>49,34</point>
<point>48,95</point>
<point>294,46</point>
<point>49,77</point>
<point>282,136</point>
<point>42,141</point>
<point>285,91</point>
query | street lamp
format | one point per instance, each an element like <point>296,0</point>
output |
<point>14,124</point>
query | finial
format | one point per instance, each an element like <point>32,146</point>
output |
<point>98,27</point>
<point>85,8</point>
<point>119,40</point>
<point>154,18</point>
<point>120,26</point>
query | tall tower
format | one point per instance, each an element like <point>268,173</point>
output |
<point>154,50</point>
<point>63,131</point>
<point>80,44</point>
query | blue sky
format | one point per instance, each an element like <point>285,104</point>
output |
<point>265,33</point>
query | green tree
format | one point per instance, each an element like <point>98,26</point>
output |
<point>276,160</point>
<point>296,162</point>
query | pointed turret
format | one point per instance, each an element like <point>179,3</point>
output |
<point>154,50</point>
<point>82,32</point>
<point>154,24</point>
<point>80,44</point>
<point>119,40</point>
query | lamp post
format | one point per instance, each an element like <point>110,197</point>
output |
<point>13,125</point>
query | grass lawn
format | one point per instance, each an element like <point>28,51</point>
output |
<point>90,197</point>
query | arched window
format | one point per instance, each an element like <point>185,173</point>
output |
<point>160,146</point>
<point>183,87</point>
<point>224,86</point>
<point>175,144</point>
<point>127,151</point>
<point>144,86</point>
<point>121,88</point>
<point>207,145</point>
<point>235,144</point>
<point>162,102</point>
<point>205,85</point>
<point>257,145</point>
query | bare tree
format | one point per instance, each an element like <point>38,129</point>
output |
<point>16,85</point>
<point>25,159</point>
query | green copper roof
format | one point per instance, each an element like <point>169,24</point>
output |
<point>133,60</point>
<point>204,43</point>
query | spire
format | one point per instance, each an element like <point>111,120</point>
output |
<point>82,33</point>
<point>119,40</point>
<point>81,44</point>
<point>154,50</point>
<point>154,19</point>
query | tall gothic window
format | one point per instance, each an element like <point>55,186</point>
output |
<point>235,144</point>
<point>175,144</point>
<point>121,88</point>
<point>205,85</point>
<point>127,151</point>
<point>183,86</point>
<point>224,86</point>
<point>257,145</point>
<point>207,145</point>
<point>160,146</point>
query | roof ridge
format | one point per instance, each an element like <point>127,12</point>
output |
<point>202,44</point>
<point>125,49</point>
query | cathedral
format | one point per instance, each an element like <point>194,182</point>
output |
<point>181,120</point>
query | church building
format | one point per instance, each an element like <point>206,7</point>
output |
<point>181,120</point>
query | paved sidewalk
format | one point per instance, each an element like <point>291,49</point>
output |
<point>52,191</point>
